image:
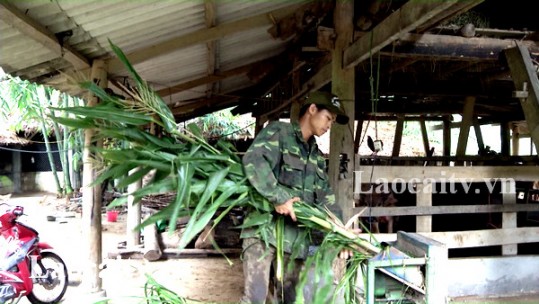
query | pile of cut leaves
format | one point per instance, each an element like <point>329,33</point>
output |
<point>208,180</point>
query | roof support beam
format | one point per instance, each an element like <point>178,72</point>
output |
<point>202,36</point>
<point>409,17</point>
<point>445,47</point>
<point>12,16</point>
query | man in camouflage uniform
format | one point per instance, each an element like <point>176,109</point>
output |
<point>285,166</point>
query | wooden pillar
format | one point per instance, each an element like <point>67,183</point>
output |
<point>398,136</point>
<point>133,213</point>
<point>467,118</point>
<point>91,207</point>
<point>342,85</point>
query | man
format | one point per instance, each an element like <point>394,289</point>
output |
<point>285,166</point>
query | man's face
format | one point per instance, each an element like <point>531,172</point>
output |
<point>321,120</point>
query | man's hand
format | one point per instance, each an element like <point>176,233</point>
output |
<point>287,208</point>
<point>346,253</point>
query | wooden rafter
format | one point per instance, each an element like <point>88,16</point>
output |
<point>409,17</point>
<point>202,36</point>
<point>12,16</point>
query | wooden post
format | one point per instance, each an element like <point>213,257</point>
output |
<point>467,118</point>
<point>152,247</point>
<point>343,80</point>
<point>133,213</point>
<point>91,207</point>
<point>398,135</point>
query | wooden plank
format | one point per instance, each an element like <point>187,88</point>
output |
<point>202,36</point>
<point>446,174</point>
<point>410,16</point>
<point>524,76</point>
<point>471,238</point>
<point>445,209</point>
<point>175,253</point>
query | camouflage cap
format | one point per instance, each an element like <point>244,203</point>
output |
<point>330,102</point>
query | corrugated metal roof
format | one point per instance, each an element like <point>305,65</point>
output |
<point>140,25</point>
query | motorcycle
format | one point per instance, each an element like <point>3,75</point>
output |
<point>28,267</point>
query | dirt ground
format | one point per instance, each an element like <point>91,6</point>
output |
<point>206,279</point>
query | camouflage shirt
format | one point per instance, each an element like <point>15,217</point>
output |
<point>281,165</point>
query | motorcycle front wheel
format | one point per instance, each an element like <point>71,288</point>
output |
<point>51,280</point>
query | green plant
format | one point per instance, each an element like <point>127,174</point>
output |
<point>209,181</point>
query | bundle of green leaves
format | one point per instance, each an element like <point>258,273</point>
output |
<point>209,181</point>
